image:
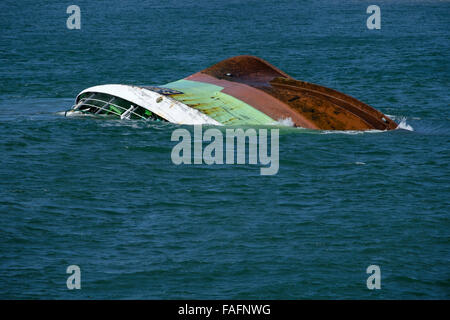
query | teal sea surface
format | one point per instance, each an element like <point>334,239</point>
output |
<point>104,194</point>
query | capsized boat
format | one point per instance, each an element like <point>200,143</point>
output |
<point>242,90</point>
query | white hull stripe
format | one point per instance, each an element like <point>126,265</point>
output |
<point>164,106</point>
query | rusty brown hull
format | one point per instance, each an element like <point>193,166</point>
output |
<point>279,96</point>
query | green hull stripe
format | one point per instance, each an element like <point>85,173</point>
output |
<point>208,99</point>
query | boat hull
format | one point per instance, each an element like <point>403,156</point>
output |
<point>269,90</point>
<point>243,90</point>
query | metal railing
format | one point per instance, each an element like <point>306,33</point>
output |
<point>127,112</point>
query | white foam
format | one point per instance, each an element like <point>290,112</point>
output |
<point>72,113</point>
<point>351,132</point>
<point>286,122</point>
<point>403,125</point>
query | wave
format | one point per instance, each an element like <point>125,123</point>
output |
<point>403,125</point>
<point>286,122</point>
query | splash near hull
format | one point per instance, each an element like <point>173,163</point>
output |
<point>242,90</point>
<point>263,87</point>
